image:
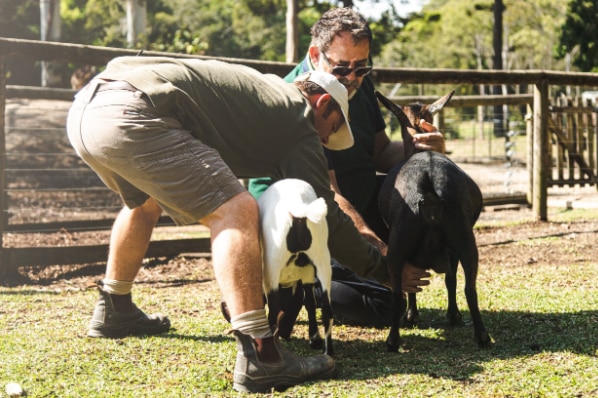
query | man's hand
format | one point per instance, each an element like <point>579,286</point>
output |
<point>432,140</point>
<point>412,278</point>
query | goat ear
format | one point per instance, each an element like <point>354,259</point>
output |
<point>440,103</point>
<point>394,108</point>
<point>388,104</point>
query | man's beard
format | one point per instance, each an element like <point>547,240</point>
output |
<point>350,84</point>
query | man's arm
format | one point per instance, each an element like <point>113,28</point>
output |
<point>349,210</point>
<point>387,153</point>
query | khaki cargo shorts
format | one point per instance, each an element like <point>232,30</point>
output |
<point>140,154</point>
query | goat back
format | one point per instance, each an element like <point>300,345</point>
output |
<point>430,206</point>
<point>281,206</point>
<point>428,184</point>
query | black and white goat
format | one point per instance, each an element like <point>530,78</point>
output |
<point>294,237</point>
<point>430,206</point>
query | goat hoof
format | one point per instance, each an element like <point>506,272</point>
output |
<point>485,340</point>
<point>316,343</point>
<point>455,319</point>
<point>392,345</point>
<point>410,321</point>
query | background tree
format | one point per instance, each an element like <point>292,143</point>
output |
<point>21,19</point>
<point>457,34</point>
<point>50,29</point>
<point>292,26</point>
<point>579,36</point>
<point>136,11</point>
<point>446,34</point>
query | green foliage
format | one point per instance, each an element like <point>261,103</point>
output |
<point>458,34</point>
<point>532,29</point>
<point>579,35</point>
<point>384,30</point>
<point>446,34</point>
<point>96,22</point>
<point>20,19</point>
<point>442,38</point>
<point>247,29</point>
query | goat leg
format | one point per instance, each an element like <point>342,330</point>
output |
<point>327,321</point>
<point>315,340</point>
<point>470,267</point>
<point>450,281</point>
<point>274,311</point>
<point>411,318</point>
<point>398,305</point>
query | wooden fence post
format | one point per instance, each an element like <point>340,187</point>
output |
<point>529,134</point>
<point>540,152</point>
<point>3,213</point>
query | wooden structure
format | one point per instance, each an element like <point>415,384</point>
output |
<point>574,155</point>
<point>571,128</point>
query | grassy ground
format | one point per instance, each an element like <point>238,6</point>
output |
<point>544,323</point>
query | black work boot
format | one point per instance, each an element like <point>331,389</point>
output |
<point>283,369</point>
<point>108,322</point>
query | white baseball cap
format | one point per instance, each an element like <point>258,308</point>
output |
<point>343,137</point>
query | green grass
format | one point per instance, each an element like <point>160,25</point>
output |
<point>544,321</point>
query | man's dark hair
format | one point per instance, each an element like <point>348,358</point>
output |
<point>336,21</point>
<point>311,88</point>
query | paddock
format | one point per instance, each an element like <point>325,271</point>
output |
<point>51,196</point>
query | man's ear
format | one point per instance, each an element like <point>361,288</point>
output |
<point>322,101</point>
<point>314,55</point>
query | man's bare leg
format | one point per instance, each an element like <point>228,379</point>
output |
<point>236,254</point>
<point>130,239</point>
<point>262,364</point>
<point>115,314</point>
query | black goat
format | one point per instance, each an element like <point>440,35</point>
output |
<point>430,206</point>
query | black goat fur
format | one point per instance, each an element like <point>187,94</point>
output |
<point>430,206</point>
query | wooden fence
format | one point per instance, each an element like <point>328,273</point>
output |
<point>572,129</point>
<point>574,155</point>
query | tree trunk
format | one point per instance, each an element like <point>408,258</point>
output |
<point>292,31</point>
<point>136,21</point>
<point>50,25</point>
<point>497,64</point>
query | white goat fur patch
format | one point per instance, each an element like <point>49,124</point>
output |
<point>282,200</point>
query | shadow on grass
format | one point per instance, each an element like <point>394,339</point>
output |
<point>437,350</point>
<point>58,274</point>
<point>217,338</point>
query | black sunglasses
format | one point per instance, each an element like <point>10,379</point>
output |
<point>345,70</point>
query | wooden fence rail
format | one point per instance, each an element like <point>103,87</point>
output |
<point>575,130</point>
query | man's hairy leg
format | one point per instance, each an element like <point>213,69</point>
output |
<point>236,254</point>
<point>130,239</point>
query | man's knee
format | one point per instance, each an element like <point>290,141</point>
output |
<point>240,209</point>
<point>151,209</point>
<point>242,204</point>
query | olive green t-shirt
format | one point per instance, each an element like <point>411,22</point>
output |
<point>260,125</point>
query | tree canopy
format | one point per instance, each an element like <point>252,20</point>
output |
<point>445,34</point>
<point>458,34</point>
<point>579,37</point>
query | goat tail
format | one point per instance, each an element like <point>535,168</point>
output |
<point>315,211</point>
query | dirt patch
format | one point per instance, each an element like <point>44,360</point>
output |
<point>506,238</point>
